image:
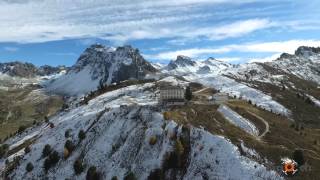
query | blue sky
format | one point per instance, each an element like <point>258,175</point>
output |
<point>55,32</point>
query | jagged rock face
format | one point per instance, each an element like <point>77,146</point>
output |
<point>113,65</point>
<point>307,51</point>
<point>305,63</point>
<point>181,61</point>
<point>18,69</point>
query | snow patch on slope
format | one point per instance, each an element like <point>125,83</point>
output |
<point>74,83</point>
<point>314,100</point>
<point>238,120</point>
<point>220,159</point>
<point>239,90</point>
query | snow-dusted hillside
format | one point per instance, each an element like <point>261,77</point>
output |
<point>237,80</point>
<point>100,65</point>
<point>304,64</point>
<point>217,80</point>
<point>118,141</point>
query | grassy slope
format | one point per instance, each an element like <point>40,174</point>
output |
<point>280,142</point>
<point>302,112</point>
<point>23,112</point>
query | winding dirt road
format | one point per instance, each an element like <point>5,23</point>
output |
<point>267,129</point>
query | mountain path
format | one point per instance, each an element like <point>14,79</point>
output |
<point>203,89</point>
<point>267,129</point>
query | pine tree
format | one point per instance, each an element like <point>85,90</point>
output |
<point>188,93</point>
<point>92,174</point>
<point>69,146</point>
<point>46,119</point>
<point>46,150</point>
<point>298,157</point>
<point>82,135</point>
<point>29,167</point>
<point>78,166</point>
<point>27,149</point>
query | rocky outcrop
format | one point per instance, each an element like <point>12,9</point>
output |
<point>307,51</point>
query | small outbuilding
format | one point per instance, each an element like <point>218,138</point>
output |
<point>219,98</point>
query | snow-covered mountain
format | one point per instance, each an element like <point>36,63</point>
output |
<point>185,65</point>
<point>304,64</point>
<point>237,80</point>
<point>118,141</point>
<point>100,65</point>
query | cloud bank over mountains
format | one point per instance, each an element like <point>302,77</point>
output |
<point>190,27</point>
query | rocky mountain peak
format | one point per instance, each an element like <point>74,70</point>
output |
<point>286,56</point>
<point>307,51</point>
<point>213,61</point>
<point>181,61</point>
<point>98,56</point>
<point>99,65</point>
<point>184,60</point>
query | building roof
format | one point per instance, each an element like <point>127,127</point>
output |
<point>170,87</point>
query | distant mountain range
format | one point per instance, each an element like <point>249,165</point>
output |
<point>305,64</point>
<point>28,70</point>
<point>100,65</point>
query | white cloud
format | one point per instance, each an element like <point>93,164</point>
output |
<point>234,29</point>
<point>230,59</point>
<point>11,49</point>
<point>122,20</point>
<point>265,59</point>
<point>193,53</point>
<point>266,47</point>
<point>275,47</point>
